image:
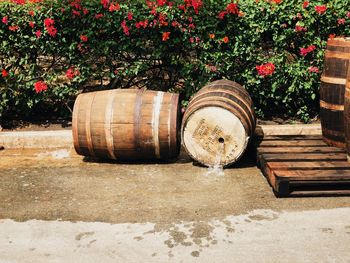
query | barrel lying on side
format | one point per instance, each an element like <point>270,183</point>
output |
<point>347,114</point>
<point>332,90</point>
<point>218,123</point>
<point>127,124</point>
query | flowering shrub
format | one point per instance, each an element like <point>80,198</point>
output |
<point>52,50</point>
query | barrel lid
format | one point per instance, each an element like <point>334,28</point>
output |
<point>214,136</point>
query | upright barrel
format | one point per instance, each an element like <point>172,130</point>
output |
<point>347,114</point>
<point>218,123</point>
<point>332,91</point>
<point>127,124</point>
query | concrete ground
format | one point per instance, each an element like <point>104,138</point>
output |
<point>56,206</point>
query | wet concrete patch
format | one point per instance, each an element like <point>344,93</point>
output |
<point>266,240</point>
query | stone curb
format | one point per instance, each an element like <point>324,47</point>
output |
<point>63,138</point>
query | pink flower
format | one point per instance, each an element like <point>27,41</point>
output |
<point>348,14</point>
<point>98,16</point>
<point>313,69</point>
<point>341,21</point>
<point>266,69</point>
<point>5,20</point>
<point>40,86</point>
<point>38,34</point>
<point>320,9</point>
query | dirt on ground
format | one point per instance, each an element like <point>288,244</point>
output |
<point>58,184</point>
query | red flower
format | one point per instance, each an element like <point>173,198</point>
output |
<point>72,72</point>
<point>31,13</point>
<point>52,31</point>
<point>307,50</point>
<point>38,34</point>
<point>266,69</point>
<point>130,16</point>
<point>4,73</point>
<point>125,28</point>
<point>232,8</point>
<point>50,28</point>
<point>161,2</point>
<point>5,20</point>
<point>320,9</point>
<point>225,39</point>
<point>105,3</point>
<point>31,24</point>
<point>211,36</point>
<point>40,86</point>
<point>165,36</point>
<point>277,1</point>
<point>305,4</point>
<point>222,14</point>
<point>196,4</point>
<point>341,21</point>
<point>114,7</point>
<point>84,38</point>
<point>49,22</point>
<point>19,2</point>
<point>313,69</point>
<point>13,28</point>
<point>300,28</point>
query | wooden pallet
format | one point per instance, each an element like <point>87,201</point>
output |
<point>303,166</point>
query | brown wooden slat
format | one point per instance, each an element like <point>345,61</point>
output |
<point>265,150</point>
<point>304,157</point>
<point>293,143</point>
<point>319,193</point>
<point>313,175</point>
<point>309,166</point>
<point>290,137</point>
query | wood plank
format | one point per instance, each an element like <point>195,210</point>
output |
<point>309,165</point>
<point>293,143</point>
<point>289,137</point>
<point>314,175</point>
<point>304,157</point>
<point>315,193</point>
<point>264,150</point>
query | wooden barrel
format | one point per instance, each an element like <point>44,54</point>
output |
<point>347,114</point>
<point>127,124</point>
<point>332,90</point>
<point>217,124</point>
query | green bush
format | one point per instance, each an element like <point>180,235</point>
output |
<point>52,50</point>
